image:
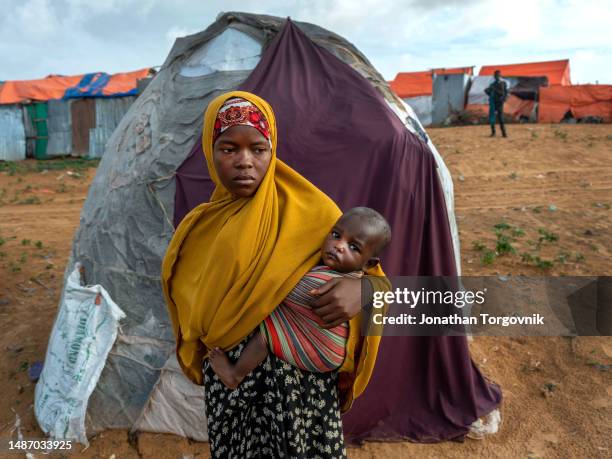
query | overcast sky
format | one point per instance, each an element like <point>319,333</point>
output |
<point>40,37</point>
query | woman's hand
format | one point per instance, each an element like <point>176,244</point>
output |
<point>339,301</point>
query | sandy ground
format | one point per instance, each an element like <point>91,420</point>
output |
<point>558,391</point>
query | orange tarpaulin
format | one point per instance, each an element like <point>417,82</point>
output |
<point>413,84</point>
<point>124,82</point>
<point>557,72</point>
<point>54,86</point>
<point>580,100</point>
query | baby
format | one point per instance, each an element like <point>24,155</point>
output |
<point>293,332</point>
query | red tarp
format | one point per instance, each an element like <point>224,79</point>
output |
<point>413,84</point>
<point>557,72</point>
<point>580,100</point>
<point>54,86</point>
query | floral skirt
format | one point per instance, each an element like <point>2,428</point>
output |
<point>277,411</point>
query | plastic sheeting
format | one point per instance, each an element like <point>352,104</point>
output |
<point>102,84</point>
<point>175,406</point>
<point>12,133</point>
<point>580,100</point>
<point>422,107</point>
<point>557,72</point>
<point>477,95</point>
<point>57,87</point>
<point>126,219</point>
<point>521,103</point>
<point>231,50</point>
<point>51,87</point>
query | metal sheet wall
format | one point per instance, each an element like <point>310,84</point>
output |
<point>109,113</point>
<point>12,133</point>
<point>448,96</point>
<point>59,128</point>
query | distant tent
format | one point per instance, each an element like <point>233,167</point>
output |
<point>521,103</point>
<point>69,114</point>
<point>98,84</point>
<point>589,100</point>
<point>416,89</point>
<point>557,72</point>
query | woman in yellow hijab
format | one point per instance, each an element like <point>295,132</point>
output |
<point>230,263</point>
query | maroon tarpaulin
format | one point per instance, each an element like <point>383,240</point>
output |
<point>337,130</point>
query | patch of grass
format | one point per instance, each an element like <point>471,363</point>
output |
<point>579,257</point>
<point>2,254</point>
<point>563,256</point>
<point>66,163</point>
<point>38,244</point>
<point>502,226</point>
<point>537,209</point>
<point>559,134</point>
<point>49,266</point>
<point>23,258</point>
<point>513,175</point>
<point>488,257</point>
<point>526,257</point>
<point>62,188</point>
<point>5,240</point>
<point>11,167</point>
<point>78,164</point>
<point>504,245</point>
<point>534,135</point>
<point>14,268</point>
<point>25,242</point>
<point>479,246</point>
<point>546,236</point>
<point>31,200</point>
<point>543,264</point>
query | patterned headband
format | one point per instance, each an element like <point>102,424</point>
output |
<point>237,111</point>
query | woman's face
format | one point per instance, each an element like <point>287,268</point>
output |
<point>241,156</point>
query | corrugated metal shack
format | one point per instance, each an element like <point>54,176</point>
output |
<point>59,115</point>
<point>434,94</point>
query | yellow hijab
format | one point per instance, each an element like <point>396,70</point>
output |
<point>232,260</point>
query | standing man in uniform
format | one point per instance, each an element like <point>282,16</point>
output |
<point>497,92</point>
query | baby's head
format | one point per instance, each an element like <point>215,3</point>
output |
<point>355,241</point>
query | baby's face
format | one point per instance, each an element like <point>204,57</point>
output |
<point>349,245</point>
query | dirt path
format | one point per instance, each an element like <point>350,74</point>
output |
<point>558,392</point>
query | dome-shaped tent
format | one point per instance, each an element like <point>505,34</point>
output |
<point>152,173</point>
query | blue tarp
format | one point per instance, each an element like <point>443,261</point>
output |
<point>92,85</point>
